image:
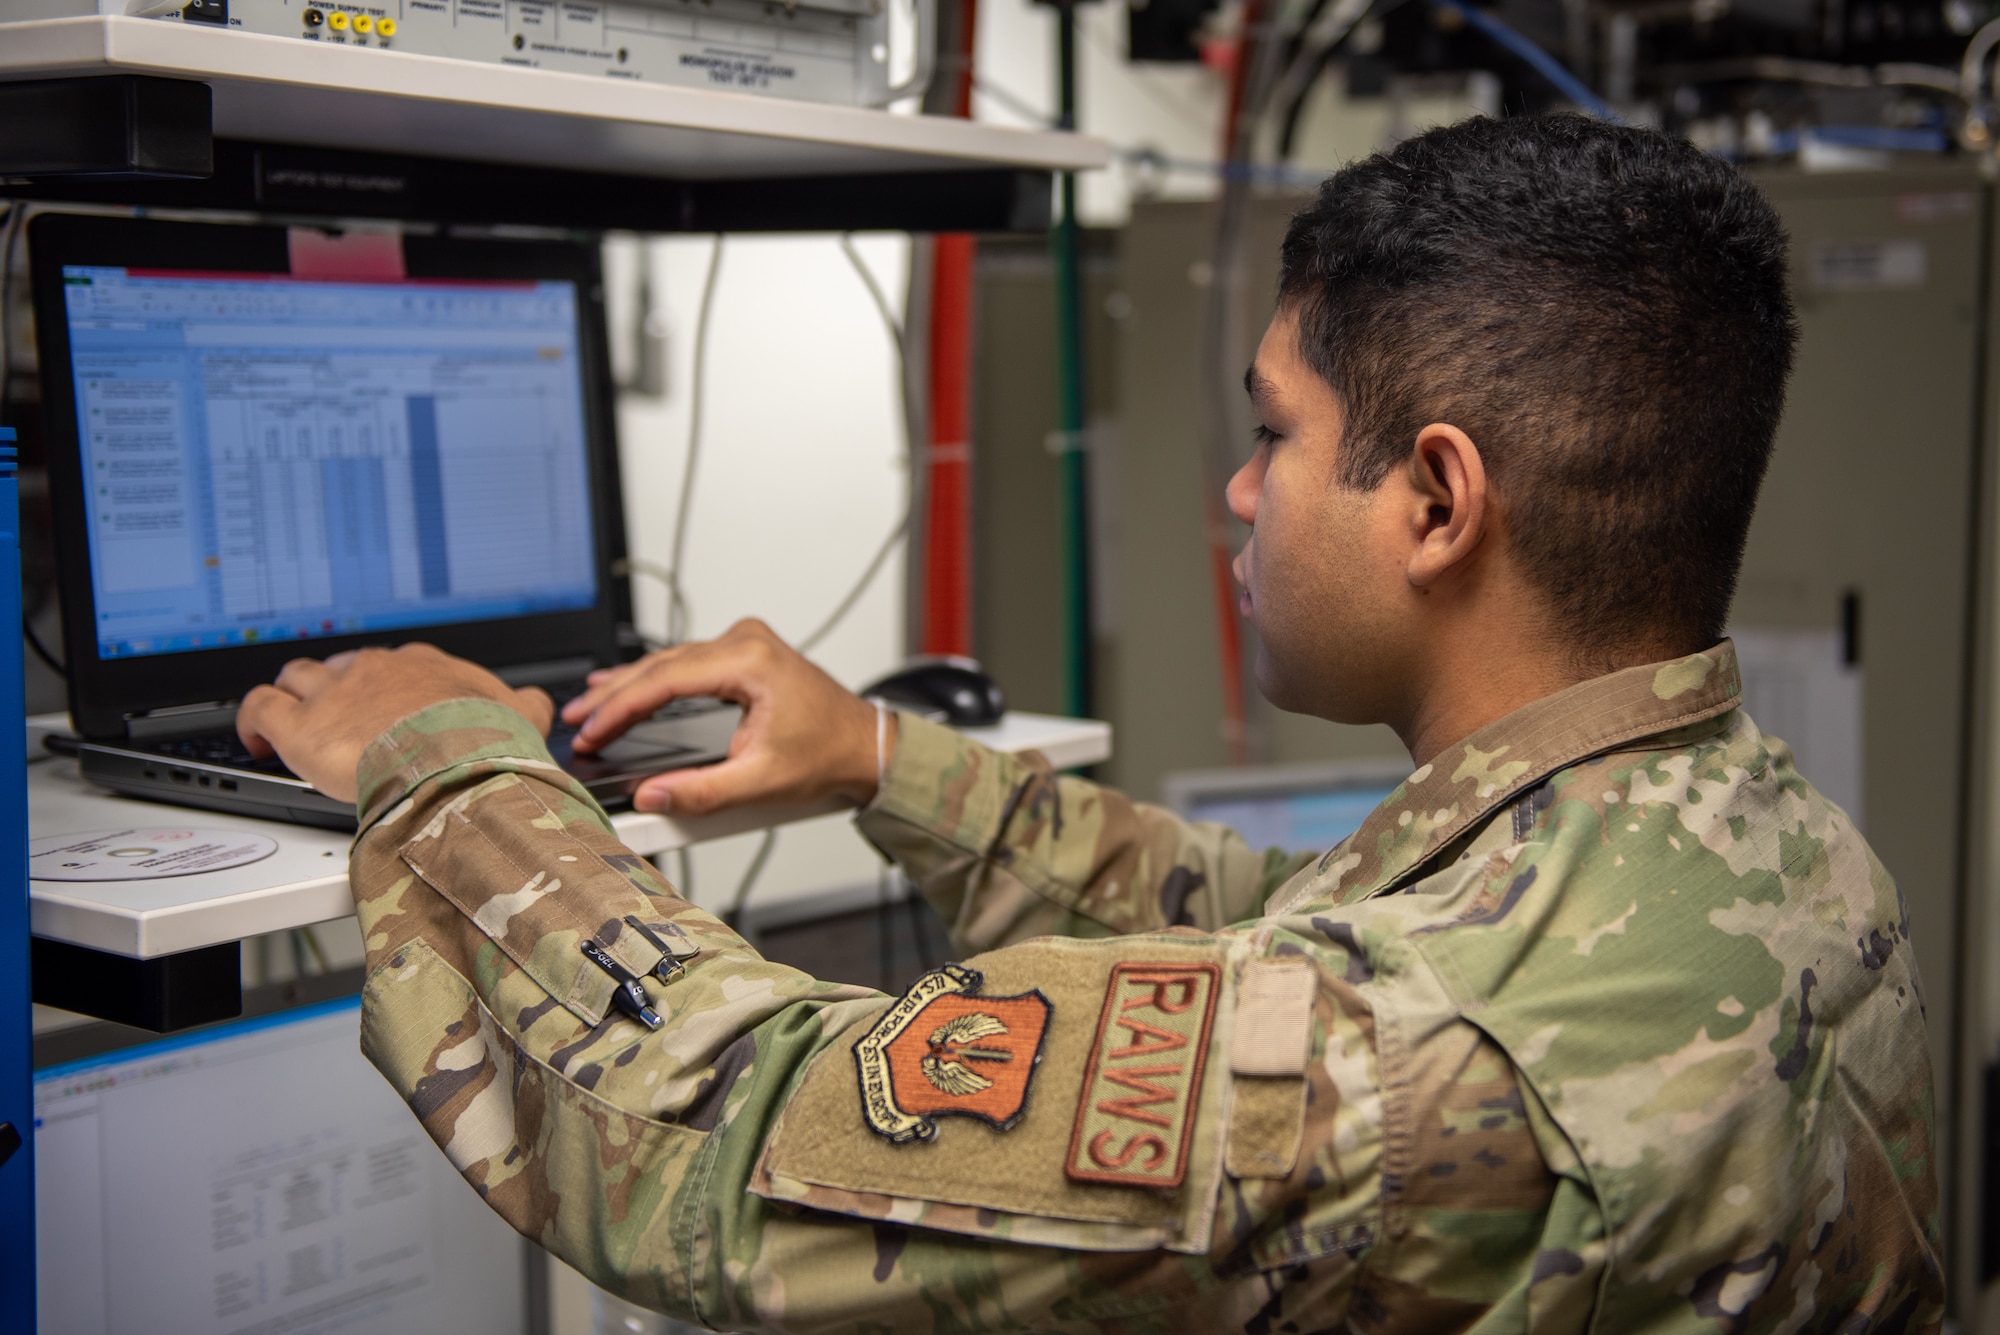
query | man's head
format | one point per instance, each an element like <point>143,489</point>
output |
<point>1588,325</point>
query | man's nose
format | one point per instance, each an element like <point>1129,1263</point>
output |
<point>1243,489</point>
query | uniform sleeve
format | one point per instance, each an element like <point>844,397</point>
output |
<point>1006,849</point>
<point>777,1153</point>
<point>1170,1129</point>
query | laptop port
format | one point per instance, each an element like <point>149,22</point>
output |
<point>204,780</point>
<point>226,785</point>
<point>180,776</point>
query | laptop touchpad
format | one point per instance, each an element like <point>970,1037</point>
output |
<point>646,741</point>
<point>646,749</point>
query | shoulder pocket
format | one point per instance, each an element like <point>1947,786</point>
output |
<point>517,871</point>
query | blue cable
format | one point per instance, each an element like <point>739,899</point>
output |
<point>1545,64</point>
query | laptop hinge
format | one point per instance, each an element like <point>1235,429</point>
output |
<point>179,719</point>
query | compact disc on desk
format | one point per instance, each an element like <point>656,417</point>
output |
<point>139,853</point>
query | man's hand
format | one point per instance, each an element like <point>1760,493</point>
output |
<point>320,717</point>
<point>804,736</point>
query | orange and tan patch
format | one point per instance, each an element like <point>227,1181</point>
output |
<point>945,1051</point>
<point>1144,1073</point>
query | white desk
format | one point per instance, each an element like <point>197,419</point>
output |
<point>305,881</point>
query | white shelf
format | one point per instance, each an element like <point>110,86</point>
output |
<point>282,90</point>
<point>305,881</point>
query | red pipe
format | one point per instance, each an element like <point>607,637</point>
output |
<point>947,536</point>
<point>948,518</point>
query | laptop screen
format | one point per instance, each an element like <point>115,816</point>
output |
<point>268,458</point>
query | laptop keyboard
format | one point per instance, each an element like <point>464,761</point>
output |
<point>219,748</point>
<point>226,748</point>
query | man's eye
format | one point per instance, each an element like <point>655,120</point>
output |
<point>1263,435</point>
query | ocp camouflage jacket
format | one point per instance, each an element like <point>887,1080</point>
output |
<point>1604,1020</point>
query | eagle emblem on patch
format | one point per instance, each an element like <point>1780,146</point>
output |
<point>943,1050</point>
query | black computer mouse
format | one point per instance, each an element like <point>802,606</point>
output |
<point>944,690</point>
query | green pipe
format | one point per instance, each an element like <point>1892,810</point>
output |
<point>1075,501</point>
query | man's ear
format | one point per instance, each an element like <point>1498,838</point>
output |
<point>1452,507</point>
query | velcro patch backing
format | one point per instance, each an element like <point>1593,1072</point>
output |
<point>1144,1075</point>
<point>1274,1006</point>
<point>1267,1124</point>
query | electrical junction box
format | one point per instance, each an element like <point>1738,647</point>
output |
<point>838,51</point>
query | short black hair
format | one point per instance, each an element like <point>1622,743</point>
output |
<point>1603,309</point>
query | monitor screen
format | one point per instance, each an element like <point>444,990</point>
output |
<point>1299,822</point>
<point>258,1176</point>
<point>275,458</point>
<point>1302,807</point>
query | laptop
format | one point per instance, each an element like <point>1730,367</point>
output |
<point>250,464</point>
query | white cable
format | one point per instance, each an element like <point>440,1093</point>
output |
<point>677,607</point>
<point>733,915</point>
<point>867,275</point>
<point>1325,33</point>
<point>1971,70</point>
<point>671,573</point>
<point>860,586</point>
<point>902,528</point>
<point>1907,74</point>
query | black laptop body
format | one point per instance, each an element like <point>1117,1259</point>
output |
<point>253,460</point>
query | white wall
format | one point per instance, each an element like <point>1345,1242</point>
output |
<point>801,476</point>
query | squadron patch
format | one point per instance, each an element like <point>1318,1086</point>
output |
<point>1144,1074</point>
<point>943,1050</point>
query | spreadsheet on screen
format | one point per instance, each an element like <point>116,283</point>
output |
<point>275,458</point>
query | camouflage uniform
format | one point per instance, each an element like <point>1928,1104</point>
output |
<point>1605,1019</point>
